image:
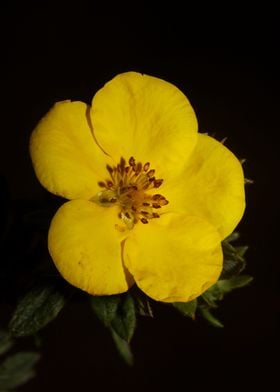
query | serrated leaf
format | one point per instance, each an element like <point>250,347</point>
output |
<point>123,348</point>
<point>105,308</point>
<point>36,309</point>
<point>228,285</point>
<point>186,308</point>
<point>17,369</point>
<point>208,316</point>
<point>6,342</point>
<point>124,322</point>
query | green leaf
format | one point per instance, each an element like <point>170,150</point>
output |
<point>227,285</point>
<point>186,308</point>
<point>37,308</point>
<point>105,308</point>
<point>6,343</point>
<point>232,267</point>
<point>212,295</point>
<point>17,369</point>
<point>207,315</point>
<point>234,261</point>
<point>123,348</point>
<point>124,322</point>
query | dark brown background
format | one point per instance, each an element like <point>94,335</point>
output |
<point>52,53</point>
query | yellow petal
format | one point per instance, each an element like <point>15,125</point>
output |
<point>86,248</point>
<point>66,159</point>
<point>144,117</point>
<point>174,258</point>
<point>212,186</point>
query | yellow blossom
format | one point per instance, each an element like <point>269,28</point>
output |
<point>151,199</point>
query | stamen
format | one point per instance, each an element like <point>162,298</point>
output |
<point>110,169</point>
<point>127,187</point>
<point>146,166</point>
<point>102,184</point>
<point>157,183</point>
<point>122,164</point>
<point>157,196</point>
<point>151,173</point>
<point>144,220</point>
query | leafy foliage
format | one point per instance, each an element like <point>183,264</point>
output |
<point>6,342</point>
<point>17,369</point>
<point>124,322</point>
<point>118,313</point>
<point>186,308</point>
<point>37,308</point>
<point>234,262</point>
<point>123,348</point>
<point>230,279</point>
<point>105,308</point>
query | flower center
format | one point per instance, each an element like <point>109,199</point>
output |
<point>127,187</point>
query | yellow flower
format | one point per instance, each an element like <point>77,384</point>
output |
<point>151,199</point>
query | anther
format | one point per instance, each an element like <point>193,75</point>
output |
<point>157,196</point>
<point>127,187</point>
<point>122,164</point>
<point>138,167</point>
<point>144,220</point>
<point>157,183</point>
<point>101,184</point>
<point>151,173</point>
<point>146,166</point>
<point>110,169</point>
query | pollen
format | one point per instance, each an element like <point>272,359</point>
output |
<point>127,186</point>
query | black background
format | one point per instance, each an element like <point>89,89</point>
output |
<point>56,51</point>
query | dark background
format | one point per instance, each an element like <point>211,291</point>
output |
<point>56,51</point>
